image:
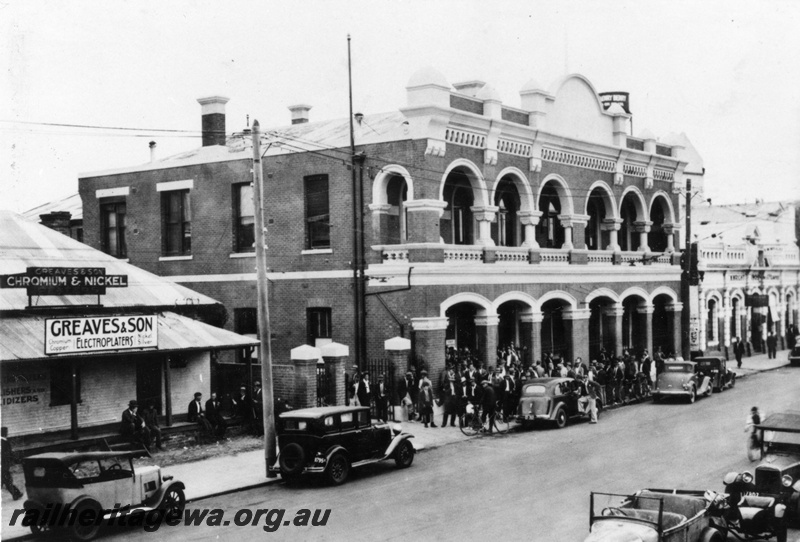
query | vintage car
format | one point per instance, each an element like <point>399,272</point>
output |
<point>97,485</point>
<point>331,440</point>
<point>722,378</point>
<point>681,379</point>
<point>551,400</point>
<point>794,356</point>
<point>651,515</point>
<point>778,475</point>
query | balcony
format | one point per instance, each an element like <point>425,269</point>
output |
<point>461,254</point>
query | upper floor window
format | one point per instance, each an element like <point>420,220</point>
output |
<point>318,227</point>
<point>112,224</point>
<point>318,324</point>
<point>244,219</point>
<point>176,217</point>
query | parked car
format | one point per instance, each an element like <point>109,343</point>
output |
<point>95,484</point>
<point>794,356</point>
<point>550,399</point>
<point>681,379</point>
<point>331,440</point>
<point>722,378</point>
<point>651,515</point>
<point>778,475</point>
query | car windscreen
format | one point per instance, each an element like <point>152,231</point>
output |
<point>535,389</point>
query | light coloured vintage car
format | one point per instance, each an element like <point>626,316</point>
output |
<point>97,485</point>
<point>681,379</point>
<point>651,515</point>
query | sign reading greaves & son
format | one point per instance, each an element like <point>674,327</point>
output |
<point>97,333</point>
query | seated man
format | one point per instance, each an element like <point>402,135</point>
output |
<point>133,427</point>
<point>214,415</point>
<point>198,415</point>
<point>151,423</point>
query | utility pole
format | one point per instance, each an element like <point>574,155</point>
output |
<point>686,278</point>
<point>265,350</point>
<point>357,254</point>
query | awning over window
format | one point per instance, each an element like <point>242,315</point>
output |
<point>23,338</point>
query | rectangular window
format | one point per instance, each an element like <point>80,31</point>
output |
<point>244,219</point>
<point>61,384</point>
<point>176,216</point>
<point>112,223</point>
<point>318,324</point>
<point>318,228</point>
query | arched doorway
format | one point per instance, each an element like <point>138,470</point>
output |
<point>550,232</point>
<point>663,333</point>
<point>554,335</point>
<point>602,320</point>
<point>599,206</point>
<point>508,329</point>
<point>457,225</point>
<point>461,326</point>
<point>634,324</point>
<point>506,228</point>
<point>659,216</point>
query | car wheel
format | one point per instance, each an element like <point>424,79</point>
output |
<point>404,455</point>
<point>692,395</point>
<point>41,529</point>
<point>710,391</point>
<point>84,533</point>
<point>173,503</point>
<point>712,535</point>
<point>561,418</point>
<point>292,460</point>
<point>338,469</point>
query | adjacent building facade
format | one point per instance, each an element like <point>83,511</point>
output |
<point>546,225</point>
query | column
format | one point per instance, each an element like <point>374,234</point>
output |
<point>703,319</point>
<point>567,223</point>
<point>380,216</point>
<point>642,228</point>
<point>429,336</point>
<point>531,330</point>
<point>612,226</point>
<point>486,329</point>
<point>670,230</point>
<point>484,216</point>
<point>676,309</point>
<point>647,310</point>
<point>529,220</point>
<point>398,349</point>
<point>616,311</point>
<point>577,320</point>
<point>725,336</point>
<point>304,358</point>
<point>335,356</point>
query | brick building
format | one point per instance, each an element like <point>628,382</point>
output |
<point>65,361</point>
<point>546,224</point>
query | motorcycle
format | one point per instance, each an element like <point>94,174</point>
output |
<point>747,516</point>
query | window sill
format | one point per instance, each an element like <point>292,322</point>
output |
<point>174,258</point>
<point>317,251</point>
<point>242,255</point>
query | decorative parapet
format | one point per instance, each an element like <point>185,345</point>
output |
<point>635,170</point>
<point>516,148</point>
<point>663,175</point>
<point>463,253</point>
<point>465,138</point>
<point>600,257</point>
<point>512,255</point>
<point>553,256</point>
<point>578,160</point>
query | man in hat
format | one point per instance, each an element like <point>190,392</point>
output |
<point>197,414</point>
<point>152,424</point>
<point>488,404</point>
<point>241,404</point>
<point>451,391</point>
<point>351,383</point>
<point>258,408</point>
<point>381,394</point>
<point>364,390</point>
<point>214,415</point>
<point>408,392</point>
<point>133,426</point>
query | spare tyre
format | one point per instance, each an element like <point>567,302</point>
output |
<point>292,460</point>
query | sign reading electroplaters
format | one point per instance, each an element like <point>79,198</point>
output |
<point>98,333</point>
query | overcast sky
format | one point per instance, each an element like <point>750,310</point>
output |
<point>725,73</point>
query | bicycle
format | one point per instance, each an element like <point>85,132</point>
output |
<point>474,421</point>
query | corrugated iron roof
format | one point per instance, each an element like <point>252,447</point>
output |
<point>71,204</point>
<point>23,338</point>
<point>27,244</point>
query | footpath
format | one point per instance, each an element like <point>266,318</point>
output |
<point>221,475</point>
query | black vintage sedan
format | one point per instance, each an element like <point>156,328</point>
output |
<point>551,400</point>
<point>331,440</point>
<point>716,368</point>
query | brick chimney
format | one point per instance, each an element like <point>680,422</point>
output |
<point>57,220</point>
<point>299,113</point>
<point>213,115</point>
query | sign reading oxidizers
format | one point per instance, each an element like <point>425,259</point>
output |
<point>64,281</point>
<point>97,333</point>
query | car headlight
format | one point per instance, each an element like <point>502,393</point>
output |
<point>786,480</point>
<point>397,428</point>
<point>747,477</point>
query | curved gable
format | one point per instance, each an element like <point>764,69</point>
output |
<point>577,112</point>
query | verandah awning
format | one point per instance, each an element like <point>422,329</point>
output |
<point>22,338</point>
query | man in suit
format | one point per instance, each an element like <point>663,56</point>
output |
<point>133,426</point>
<point>488,403</point>
<point>258,408</point>
<point>214,415</point>
<point>197,414</point>
<point>738,351</point>
<point>364,390</point>
<point>381,394</point>
<point>152,424</point>
<point>772,345</point>
<point>242,405</point>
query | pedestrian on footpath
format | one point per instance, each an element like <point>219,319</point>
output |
<point>772,345</point>
<point>753,440</point>
<point>738,351</point>
<point>382,399</point>
<point>426,401</point>
<point>7,460</point>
